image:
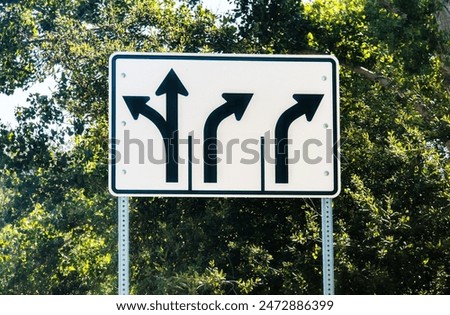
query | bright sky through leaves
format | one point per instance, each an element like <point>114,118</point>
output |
<point>19,98</point>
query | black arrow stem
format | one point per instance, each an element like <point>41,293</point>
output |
<point>210,144</point>
<point>307,105</point>
<point>172,123</point>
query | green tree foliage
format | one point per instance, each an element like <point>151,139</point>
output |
<point>57,155</point>
<point>271,26</point>
<point>392,219</point>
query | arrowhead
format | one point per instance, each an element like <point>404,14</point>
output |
<point>309,102</point>
<point>136,104</point>
<point>171,83</point>
<point>238,102</point>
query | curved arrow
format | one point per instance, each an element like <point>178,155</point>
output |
<point>307,105</point>
<point>138,106</point>
<point>236,104</point>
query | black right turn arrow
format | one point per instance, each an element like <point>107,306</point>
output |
<point>307,105</point>
<point>236,104</point>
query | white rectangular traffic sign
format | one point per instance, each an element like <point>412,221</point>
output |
<point>224,125</point>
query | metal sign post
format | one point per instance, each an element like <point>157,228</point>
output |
<point>327,247</point>
<point>123,230</point>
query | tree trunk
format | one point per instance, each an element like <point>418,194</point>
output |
<point>443,17</point>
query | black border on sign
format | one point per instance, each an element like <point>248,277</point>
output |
<point>222,193</point>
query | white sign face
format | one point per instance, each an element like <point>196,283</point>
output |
<point>224,125</point>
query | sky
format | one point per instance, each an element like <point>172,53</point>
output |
<point>19,98</point>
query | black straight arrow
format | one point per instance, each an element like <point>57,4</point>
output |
<point>307,105</point>
<point>236,104</point>
<point>171,86</point>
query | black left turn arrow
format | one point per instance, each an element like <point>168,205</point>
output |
<point>307,105</point>
<point>138,106</point>
<point>236,104</point>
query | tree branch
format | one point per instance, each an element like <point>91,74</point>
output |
<point>372,76</point>
<point>386,82</point>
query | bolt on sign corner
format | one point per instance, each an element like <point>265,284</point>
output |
<point>224,125</point>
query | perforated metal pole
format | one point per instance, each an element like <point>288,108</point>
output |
<point>327,247</point>
<point>123,229</point>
